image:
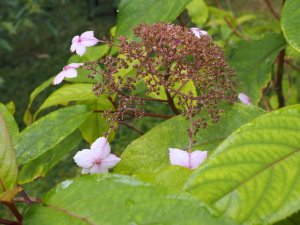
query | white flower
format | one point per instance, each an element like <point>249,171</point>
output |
<point>244,99</point>
<point>197,32</point>
<point>79,43</point>
<point>189,160</point>
<point>69,71</point>
<point>97,159</point>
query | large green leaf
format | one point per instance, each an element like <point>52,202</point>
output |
<point>28,116</point>
<point>47,132</point>
<point>8,134</point>
<point>115,199</point>
<point>292,220</point>
<point>95,126</point>
<point>253,61</point>
<point>148,155</point>
<point>198,11</point>
<point>40,166</point>
<point>290,17</point>
<point>134,12</point>
<point>68,93</point>
<point>254,175</point>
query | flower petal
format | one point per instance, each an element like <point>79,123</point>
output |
<point>80,50</point>
<point>98,168</point>
<point>196,158</point>
<point>179,157</point>
<point>70,73</point>
<point>87,34</point>
<point>244,99</point>
<point>74,46</point>
<point>101,147</point>
<point>59,78</point>
<point>87,39</point>
<point>84,158</point>
<point>75,39</point>
<point>110,161</point>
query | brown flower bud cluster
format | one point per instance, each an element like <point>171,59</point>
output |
<point>170,61</point>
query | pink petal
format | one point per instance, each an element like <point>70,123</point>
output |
<point>179,157</point>
<point>110,161</point>
<point>87,34</point>
<point>196,158</point>
<point>84,158</point>
<point>59,78</point>
<point>75,39</point>
<point>98,168</point>
<point>80,50</point>
<point>74,46</point>
<point>244,99</point>
<point>70,73</point>
<point>87,39</point>
<point>101,147</point>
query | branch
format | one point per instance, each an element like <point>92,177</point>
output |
<point>272,10</point>
<point>131,127</point>
<point>144,114</point>
<point>14,211</point>
<point>8,222</point>
<point>279,76</point>
<point>290,63</point>
<point>171,102</point>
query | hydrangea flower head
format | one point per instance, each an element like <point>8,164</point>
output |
<point>244,99</point>
<point>68,71</point>
<point>185,159</point>
<point>97,159</point>
<point>79,43</point>
<point>197,32</point>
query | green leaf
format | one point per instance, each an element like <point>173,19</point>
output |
<point>48,131</point>
<point>252,61</point>
<point>290,17</point>
<point>149,155</point>
<point>40,166</point>
<point>28,116</point>
<point>254,175</point>
<point>198,11</point>
<point>8,135</point>
<point>115,199</point>
<point>68,93</point>
<point>96,125</point>
<point>292,220</point>
<point>134,12</point>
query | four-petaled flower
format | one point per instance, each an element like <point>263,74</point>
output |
<point>197,32</point>
<point>189,160</point>
<point>244,99</point>
<point>69,71</point>
<point>97,159</point>
<point>79,43</point>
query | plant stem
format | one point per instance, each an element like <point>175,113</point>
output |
<point>171,102</point>
<point>8,222</point>
<point>131,127</point>
<point>279,76</point>
<point>272,10</point>
<point>14,211</point>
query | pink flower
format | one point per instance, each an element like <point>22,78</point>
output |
<point>244,99</point>
<point>69,71</point>
<point>186,159</point>
<point>197,32</point>
<point>97,159</point>
<point>79,43</point>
